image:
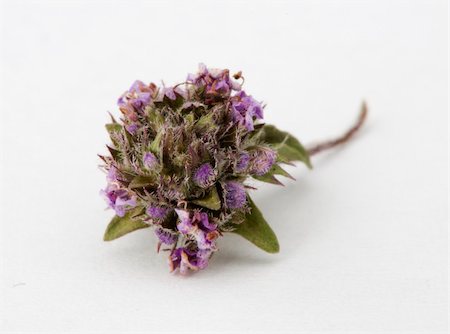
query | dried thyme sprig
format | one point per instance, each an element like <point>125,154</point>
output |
<point>179,159</point>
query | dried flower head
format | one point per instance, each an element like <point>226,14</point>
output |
<point>178,161</point>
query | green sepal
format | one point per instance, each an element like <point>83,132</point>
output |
<point>255,229</point>
<point>206,123</point>
<point>277,170</point>
<point>155,117</point>
<point>129,138</point>
<point>114,130</point>
<point>120,226</point>
<point>155,146</point>
<point>190,118</point>
<point>174,104</point>
<point>113,127</point>
<point>210,201</point>
<point>269,177</point>
<point>287,146</point>
<point>141,182</point>
<point>115,154</point>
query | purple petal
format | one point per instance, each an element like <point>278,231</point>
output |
<point>170,93</point>
<point>249,122</point>
<point>132,128</point>
<point>257,110</point>
<point>222,86</point>
<point>203,258</point>
<point>120,210</point>
<point>126,201</point>
<point>118,199</point>
<point>184,225</point>
<point>112,174</point>
<point>136,86</point>
<point>203,221</point>
<point>244,107</point>
<point>191,77</point>
<point>144,98</point>
<point>183,259</point>
<point>121,101</point>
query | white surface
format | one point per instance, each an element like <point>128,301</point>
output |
<point>363,236</point>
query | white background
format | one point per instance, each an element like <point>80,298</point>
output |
<point>363,236</point>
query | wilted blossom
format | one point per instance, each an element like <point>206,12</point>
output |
<point>139,95</point>
<point>214,81</point>
<point>184,259</point>
<point>118,199</point>
<point>165,236</point>
<point>184,224</point>
<point>198,226</point>
<point>245,109</point>
<point>180,156</point>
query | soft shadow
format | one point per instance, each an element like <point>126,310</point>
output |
<point>235,249</point>
<point>277,205</point>
<point>137,251</point>
<point>282,207</point>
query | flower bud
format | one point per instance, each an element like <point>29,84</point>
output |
<point>235,196</point>
<point>204,176</point>
<point>262,160</point>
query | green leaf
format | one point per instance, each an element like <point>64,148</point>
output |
<point>277,170</point>
<point>269,177</point>
<point>129,138</point>
<point>256,230</point>
<point>206,123</point>
<point>175,104</point>
<point>116,154</point>
<point>155,117</point>
<point>114,130</point>
<point>286,145</point>
<point>210,201</point>
<point>113,127</point>
<point>155,145</point>
<point>190,118</point>
<point>141,182</point>
<point>120,226</point>
<point>112,117</point>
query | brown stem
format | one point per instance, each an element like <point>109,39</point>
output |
<point>344,138</point>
